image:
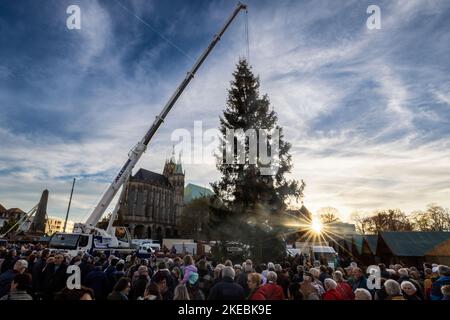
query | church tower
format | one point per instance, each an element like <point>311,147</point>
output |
<point>174,172</point>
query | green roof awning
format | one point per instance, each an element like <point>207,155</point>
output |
<point>372,241</point>
<point>413,244</point>
<point>357,240</point>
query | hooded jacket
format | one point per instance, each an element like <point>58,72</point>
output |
<point>190,274</point>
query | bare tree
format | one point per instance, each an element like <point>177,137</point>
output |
<point>328,215</point>
<point>382,220</point>
<point>361,223</point>
<point>435,218</point>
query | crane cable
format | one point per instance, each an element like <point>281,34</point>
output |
<point>154,30</point>
<point>247,35</point>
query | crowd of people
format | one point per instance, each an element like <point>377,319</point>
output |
<point>32,272</point>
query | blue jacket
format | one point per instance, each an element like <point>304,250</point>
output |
<point>436,293</point>
<point>5,281</point>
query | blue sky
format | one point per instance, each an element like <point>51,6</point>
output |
<point>367,111</point>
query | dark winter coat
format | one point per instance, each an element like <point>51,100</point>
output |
<point>361,283</point>
<point>139,286</point>
<point>5,281</point>
<point>226,290</point>
<point>53,280</point>
<point>97,280</point>
<point>242,281</point>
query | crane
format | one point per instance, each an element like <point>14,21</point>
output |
<point>110,236</point>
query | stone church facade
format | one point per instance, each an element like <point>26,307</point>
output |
<point>152,202</point>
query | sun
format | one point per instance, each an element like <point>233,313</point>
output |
<point>316,226</point>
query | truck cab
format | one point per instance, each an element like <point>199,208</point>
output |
<point>73,243</point>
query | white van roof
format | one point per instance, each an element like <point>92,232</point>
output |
<point>323,249</point>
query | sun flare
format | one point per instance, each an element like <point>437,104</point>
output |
<point>316,226</point>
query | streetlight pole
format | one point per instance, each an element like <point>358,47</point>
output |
<point>68,208</point>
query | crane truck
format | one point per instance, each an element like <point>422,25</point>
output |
<point>86,236</point>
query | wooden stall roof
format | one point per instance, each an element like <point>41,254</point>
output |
<point>412,244</point>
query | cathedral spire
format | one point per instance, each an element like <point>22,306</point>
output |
<point>179,167</point>
<point>172,158</point>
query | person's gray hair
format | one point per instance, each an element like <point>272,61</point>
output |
<point>248,267</point>
<point>272,276</point>
<point>362,294</point>
<point>23,263</point>
<point>181,293</point>
<point>329,284</point>
<point>228,272</point>
<point>338,276</point>
<point>314,272</point>
<point>408,284</point>
<point>237,267</point>
<point>392,288</point>
<point>270,265</point>
<point>219,267</point>
<point>391,272</point>
<point>403,272</point>
<point>443,270</point>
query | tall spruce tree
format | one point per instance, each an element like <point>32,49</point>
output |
<point>248,203</point>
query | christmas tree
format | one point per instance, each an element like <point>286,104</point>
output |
<point>248,199</point>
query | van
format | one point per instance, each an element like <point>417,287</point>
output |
<point>324,253</point>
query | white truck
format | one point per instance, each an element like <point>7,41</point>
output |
<point>315,251</point>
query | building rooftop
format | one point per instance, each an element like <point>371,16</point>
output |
<point>192,192</point>
<point>413,244</point>
<point>150,177</point>
<point>372,240</point>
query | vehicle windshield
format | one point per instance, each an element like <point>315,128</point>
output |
<point>64,241</point>
<point>121,234</point>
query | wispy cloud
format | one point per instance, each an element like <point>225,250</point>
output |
<point>365,110</point>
